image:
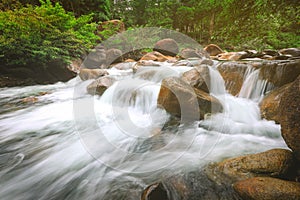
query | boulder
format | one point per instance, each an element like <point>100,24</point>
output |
<point>289,112</point>
<point>155,56</point>
<point>266,188</point>
<point>181,100</point>
<point>233,74</point>
<point>193,53</point>
<point>269,106</point>
<point>234,56</point>
<point>96,58</point>
<point>189,185</point>
<point>51,72</point>
<point>100,85</point>
<point>213,49</point>
<point>113,56</point>
<point>198,77</point>
<point>274,163</point>
<point>168,47</point>
<point>86,74</point>
<point>295,52</point>
<point>280,73</point>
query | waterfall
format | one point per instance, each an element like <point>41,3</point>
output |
<point>254,88</point>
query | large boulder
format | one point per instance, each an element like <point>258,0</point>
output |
<point>213,49</point>
<point>99,86</point>
<point>96,58</point>
<point>280,73</point>
<point>269,106</point>
<point>86,74</point>
<point>233,74</point>
<point>179,99</point>
<point>266,188</point>
<point>191,185</point>
<point>274,163</point>
<point>168,47</point>
<point>198,77</point>
<point>113,56</point>
<point>289,112</point>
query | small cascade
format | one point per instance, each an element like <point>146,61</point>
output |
<point>254,88</point>
<point>216,83</point>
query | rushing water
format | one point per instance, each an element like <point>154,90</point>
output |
<point>66,144</point>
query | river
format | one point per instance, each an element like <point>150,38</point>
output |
<point>67,144</point>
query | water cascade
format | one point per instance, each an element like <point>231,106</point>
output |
<point>71,145</point>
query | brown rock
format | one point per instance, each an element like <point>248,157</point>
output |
<point>192,53</point>
<point>275,163</point>
<point>269,106</point>
<point>213,49</point>
<point>100,85</point>
<point>234,56</point>
<point>198,77</point>
<point>155,56</point>
<point>181,100</point>
<point>233,74</point>
<point>168,47</point>
<point>289,112</point>
<point>113,56</point>
<point>295,52</point>
<point>265,188</point>
<point>280,73</point>
<point>86,74</point>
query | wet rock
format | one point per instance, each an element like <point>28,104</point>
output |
<point>233,74</point>
<point>198,77</point>
<point>145,63</point>
<point>155,56</point>
<point>279,73</point>
<point>179,99</point>
<point>86,74</point>
<point>289,112</point>
<point>213,49</point>
<point>113,56</point>
<point>193,185</point>
<point>265,188</point>
<point>269,106</point>
<point>295,52</point>
<point>99,86</point>
<point>192,53</point>
<point>124,65</point>
<point>274,163</point>
<point>168,47</point>
<point>96,58</point>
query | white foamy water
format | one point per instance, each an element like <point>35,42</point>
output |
<point>71,145</point>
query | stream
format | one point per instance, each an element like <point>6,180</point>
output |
<point>67,144</point>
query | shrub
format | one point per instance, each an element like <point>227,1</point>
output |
<point>40,34</point>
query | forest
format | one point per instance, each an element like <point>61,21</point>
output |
<point>43,30</point>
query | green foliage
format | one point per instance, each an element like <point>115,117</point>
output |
<point>39,34</point>
<point>256,24</point>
